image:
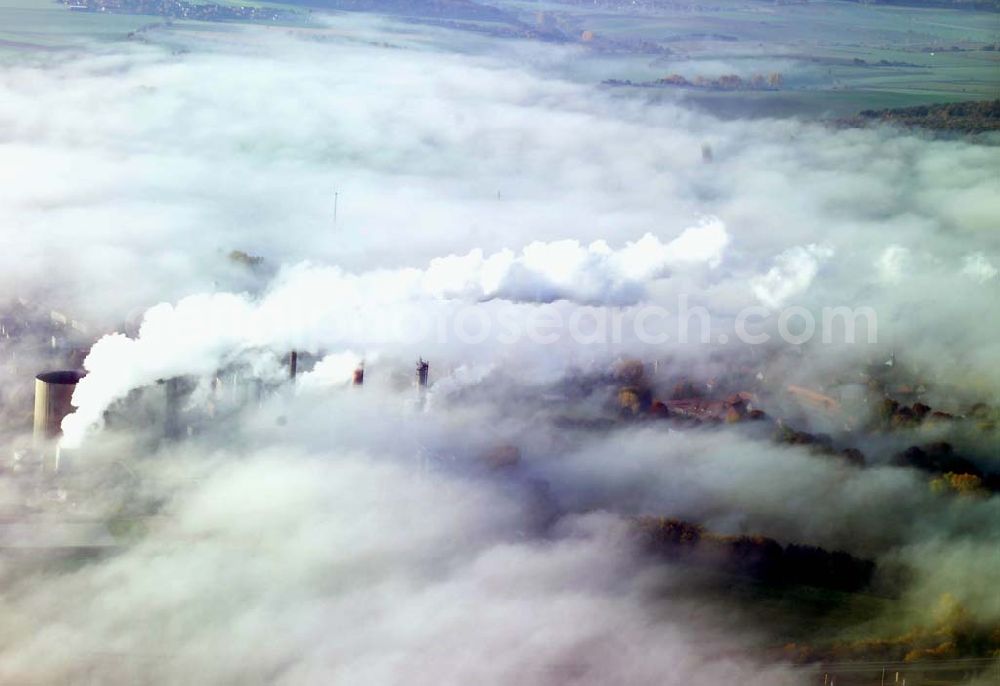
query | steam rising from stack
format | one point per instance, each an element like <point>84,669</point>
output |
<point>201,333</point>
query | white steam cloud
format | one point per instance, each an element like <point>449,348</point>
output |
<point>316,307</point>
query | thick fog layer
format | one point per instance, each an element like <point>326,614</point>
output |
<point>218,201</point>
<point>284,560</point>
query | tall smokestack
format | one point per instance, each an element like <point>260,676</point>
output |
<point>423,370</point>
<point>359,375</point>
<point>173,391</point>
<point>293,365</point>
<point>53,393</point>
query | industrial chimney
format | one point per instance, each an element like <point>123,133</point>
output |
<point>53,393</point>
<point>423,370</point>
<point>293,364</point>
<point>359,375</point>
<point>173,395</point>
